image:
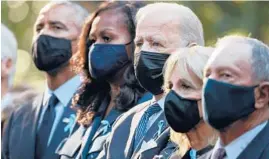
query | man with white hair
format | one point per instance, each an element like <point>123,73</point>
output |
<point>8,64</point>
<point>35,130</point>
<point>236,98</point>
<point>143,132</point>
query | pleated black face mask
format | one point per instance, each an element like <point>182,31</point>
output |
<point>105,60</point>
<point>181,114</point>
<point>149,70</point>
<point>50,53</point>
<point>224,103</point>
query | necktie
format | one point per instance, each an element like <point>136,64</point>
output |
<point>45,128</point>
<point>142,126</point>
<point>219,154</point>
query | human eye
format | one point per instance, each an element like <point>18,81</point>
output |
<point>106,39</point>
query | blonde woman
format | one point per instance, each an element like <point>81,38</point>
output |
<point>183,84</point>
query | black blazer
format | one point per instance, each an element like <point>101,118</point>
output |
<point>20,134</point>
<point>258,148</point>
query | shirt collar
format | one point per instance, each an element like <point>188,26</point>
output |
<point>65,92</point>
<point>160,102</point>
<point>237,146</point>
<point>6,99</point>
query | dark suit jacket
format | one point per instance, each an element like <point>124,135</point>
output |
<point>119,145</point>
<point>258,148</point>
<point>20,134</point>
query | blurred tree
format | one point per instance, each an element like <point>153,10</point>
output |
<point>218,18</point>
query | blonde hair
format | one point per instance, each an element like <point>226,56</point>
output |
<point>186,59</point>
<point>193,58</point>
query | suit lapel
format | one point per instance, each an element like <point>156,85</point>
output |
<point>69,146</point>
<point>257,146</point>
<point>152,134</point>
<point>30,128</point>
<point>107,123</point>
<point>134,123</point>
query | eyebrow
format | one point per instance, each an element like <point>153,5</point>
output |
<point>58,23</point>
<point>182,80</point>
<point>102,32</point>
<point>155,39</point>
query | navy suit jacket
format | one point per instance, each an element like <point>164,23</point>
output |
<point>119,144</point>
<point>20,134</point>
<point>258,148</point>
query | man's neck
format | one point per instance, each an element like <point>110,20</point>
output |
<point>158,97</point>
<point>55,81</point>
<point>240,127</point>
<point>4,87</point>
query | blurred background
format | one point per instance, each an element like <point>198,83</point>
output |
<point>218,18</point>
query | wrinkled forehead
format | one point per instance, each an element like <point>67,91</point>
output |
<point>232,54</point>
<point>157,23</point>
<point>62,13</point>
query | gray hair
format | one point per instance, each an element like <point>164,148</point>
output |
<point>9,50</point>
<point>260,55</point>
<point>81,12</point>
<point>191,28</point>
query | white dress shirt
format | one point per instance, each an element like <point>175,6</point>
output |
<point>236,147</point>
<point>64,93</point>
<point>6,100</point>
<point>155,116</point>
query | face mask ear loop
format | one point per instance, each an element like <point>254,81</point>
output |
<point>129,42</point>
<point>131,59</point>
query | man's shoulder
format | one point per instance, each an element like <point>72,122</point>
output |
<point>136,109</point>
<point>28,106</point>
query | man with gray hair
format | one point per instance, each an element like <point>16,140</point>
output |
<point>236,98</point>
<point>143,132</point>
<point>35,130</point>
<point>8,64</point>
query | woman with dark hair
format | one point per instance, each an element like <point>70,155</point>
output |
<point>109,85</point>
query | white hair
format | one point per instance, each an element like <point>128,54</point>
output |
<point>9,50</point>
<point>81,12</point>
<point>191,28</point>
<point>260,54</point>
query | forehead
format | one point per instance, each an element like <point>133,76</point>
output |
<point>182,71</point>
<point>111,19</point>
<point>62,13</point>
<point>232,54</point>
<point>166,25</point>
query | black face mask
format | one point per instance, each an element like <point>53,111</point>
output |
<point>51,53</point>
<point>181,114</point>
<point>224,103</point>
<point>105,60</point>
<point>149,71</point>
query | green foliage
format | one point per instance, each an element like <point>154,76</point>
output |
<point>218,18</point>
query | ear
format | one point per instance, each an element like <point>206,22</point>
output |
<point>262,95</point>
<point>6,65</point>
